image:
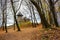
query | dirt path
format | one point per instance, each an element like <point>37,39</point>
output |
<point>25,34</point>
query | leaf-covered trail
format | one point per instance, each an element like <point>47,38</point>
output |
<point>25,34</point>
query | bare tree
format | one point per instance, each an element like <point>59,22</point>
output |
<point>35,21</point>
<point>30,7</point>
<point>43,20</point>
<point>52,9</point>
<point>15,15</point>
<point>3,15</point>
<point>4,10</point>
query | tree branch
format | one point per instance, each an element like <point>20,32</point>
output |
<point>56,1</point>
<point>19,6</point>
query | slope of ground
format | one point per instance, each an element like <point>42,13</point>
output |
<point>25,34</point>
<point>51,34</point>
<point>31,34</point>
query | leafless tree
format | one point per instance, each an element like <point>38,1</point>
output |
<point>42,16</point>
<point>52,9</point>
<point>15,15</point>
<point>4,10</point>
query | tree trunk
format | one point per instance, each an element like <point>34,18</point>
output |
<point>2,15</point>
<point>6,16</point>
<point>52,9</point>
<point>15,16</point>
<point>34,16</point>
<point>43,20</point>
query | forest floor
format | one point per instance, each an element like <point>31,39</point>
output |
<point>31,33</point>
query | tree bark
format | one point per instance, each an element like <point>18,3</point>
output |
<point>15,16</point>
<point>52,9</point>
<point>43,20</point>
